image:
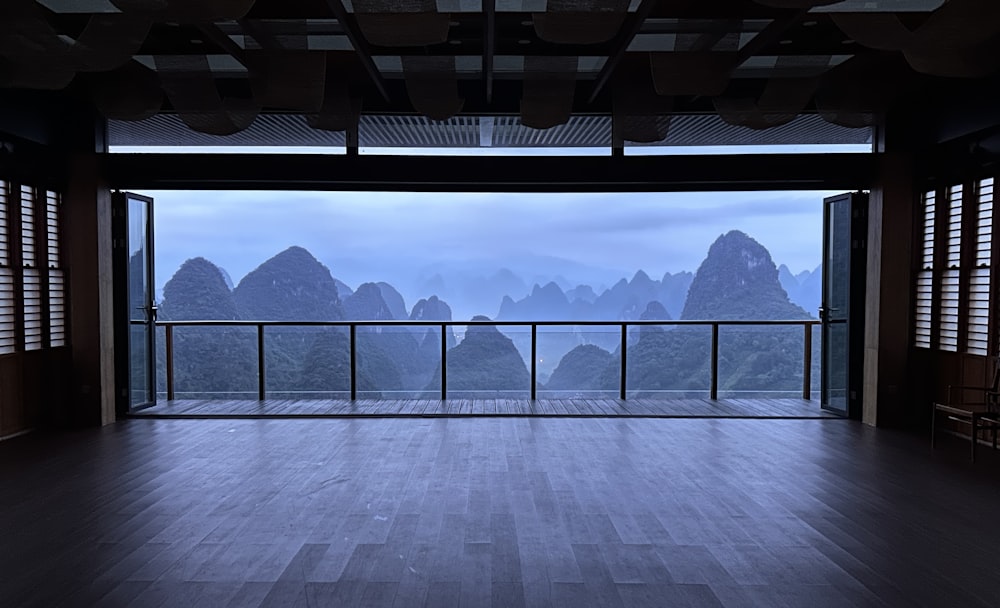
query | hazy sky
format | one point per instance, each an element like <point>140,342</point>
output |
<point>397,236</point>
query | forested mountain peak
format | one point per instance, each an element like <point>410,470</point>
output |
<point>738,280</point>
<point>655,312</point>
<point>485,360</point>
<point>197,290</point>
<point>367,304</point>
<point>431,309</point>
<point>291,285</point>
<point>393,299</point>
<point>581,369</point>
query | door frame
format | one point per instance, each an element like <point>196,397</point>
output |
<point>855,319</point>
<point>123,322</point>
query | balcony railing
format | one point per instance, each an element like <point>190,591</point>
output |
<point>622,328</point>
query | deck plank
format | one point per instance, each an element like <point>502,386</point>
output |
<point>638,407</point>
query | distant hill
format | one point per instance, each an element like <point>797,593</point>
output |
<point>197,291</point>
<point>546,303</point>
<point>367,304</point>
<point>804,288</point>
<point>738,280</point>
<point>393,299</point>
<point>580,371</point>
<point>210,361</point>
<point>626,299</point>
<point>291,285</point>
<point>485,363</point>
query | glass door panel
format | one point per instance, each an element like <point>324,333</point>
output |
<point>841,311</point>
<point>141,299</point>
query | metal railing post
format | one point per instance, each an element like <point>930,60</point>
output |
<point>807,361</point>
<point>261,389</point>
<point>534,357</point>
<point>444,361</point>
<point>354,361</point>
<point>713,392</point>
<point>624,349</point>
<point>169,334</point>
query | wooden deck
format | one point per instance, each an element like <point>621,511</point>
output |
<point>329,408</point>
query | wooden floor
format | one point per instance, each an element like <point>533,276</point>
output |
<point>667,408</point>
<point>504,512</point>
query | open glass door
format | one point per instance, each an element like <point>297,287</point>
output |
<point>135,264</point>
<point>842,309</point>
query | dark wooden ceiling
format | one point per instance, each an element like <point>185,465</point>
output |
<point>756,64</point>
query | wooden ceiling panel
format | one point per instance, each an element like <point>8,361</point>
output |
<point>216,63</point>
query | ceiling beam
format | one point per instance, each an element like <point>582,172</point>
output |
<point>492,174</point>
<point>625,37</point>
<point>360,46</point>
<point>489,45</point>
<point>771,34</point>
<point>220,39</point>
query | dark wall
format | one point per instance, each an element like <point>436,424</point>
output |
<point>48,141</point>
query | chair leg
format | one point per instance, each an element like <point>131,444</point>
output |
<point>933,418</point>
<point>975,431</point>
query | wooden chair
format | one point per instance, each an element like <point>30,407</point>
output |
<point>977,406</point>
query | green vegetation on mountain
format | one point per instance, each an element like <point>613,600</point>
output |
<point>580,370</point>
<point>737,280</point>
<point>485,363</point>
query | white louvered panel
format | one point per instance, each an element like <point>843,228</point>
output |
<point>925,277</point>
<point>954,250</point>
<point>977,332</point>
<point>922,321</point>
<point>984,222</point>
<point>57,308</point>
<point>27,226</point>
<point>927,259</point>
<point>8,340</point>
<point>32,309</point>
<point>948,311</point>
<point>52,227</point>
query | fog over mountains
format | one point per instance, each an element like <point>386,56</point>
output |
<point>737,280</point>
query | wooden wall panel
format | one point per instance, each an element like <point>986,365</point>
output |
<point>888,293</point>
<point>11,399</point>
<point>88,246</point>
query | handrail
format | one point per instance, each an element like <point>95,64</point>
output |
<point>806,324</point>
<point>559,323</point>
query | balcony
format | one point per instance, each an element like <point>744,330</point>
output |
<point>719,368</point>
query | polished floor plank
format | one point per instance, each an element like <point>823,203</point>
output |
<point>496,511</point>
<point>654,408</point>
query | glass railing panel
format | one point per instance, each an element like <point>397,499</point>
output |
<point>160,352</point>
<point>669,362</point>
<point>307,362</point>
<point>761,361</point>
<point>214,362</point>
<point>817,363</point>
<point>489,364</point>
<point>398,362</point>
<point>578,362</point>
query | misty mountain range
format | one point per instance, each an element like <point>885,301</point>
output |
<point>505,295</point>
<point>737,280</point>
